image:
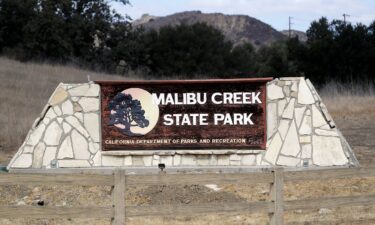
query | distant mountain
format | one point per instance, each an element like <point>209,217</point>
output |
<point>301,35</point>
<point>237,28</point>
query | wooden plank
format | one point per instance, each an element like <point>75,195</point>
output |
<point>329,174</point>
<point>277,196</point>
<point>56,179</point>
<point>176,179</point>
<point>119,197</point>
<point>12,212</point>
<point>332,202</point>
<point>194,209</point>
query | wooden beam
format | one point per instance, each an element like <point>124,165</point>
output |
<point>119,197</point>
<point>193,209</point>
<point>11,212</point>
<point>56,179</point>
<point>176,179</point>
<point>332,202</point>
<point>328,174</point>
<point>277,197</point>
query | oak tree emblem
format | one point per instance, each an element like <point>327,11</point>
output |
<point>126,112</point>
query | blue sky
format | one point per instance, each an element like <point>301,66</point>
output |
<point>273,12</point>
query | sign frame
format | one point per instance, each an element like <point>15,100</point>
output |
<point>262,81</point>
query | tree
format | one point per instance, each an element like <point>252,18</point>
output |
<point>197,49</point>
<point>126,112</point>
<point>59,30</point>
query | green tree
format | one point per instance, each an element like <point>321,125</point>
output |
<point>188,49</point>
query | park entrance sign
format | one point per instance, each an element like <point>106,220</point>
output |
<point>201,123</point>
<point>200,114</point>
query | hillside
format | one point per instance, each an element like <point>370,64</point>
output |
<point>237,28</point>
<point>300,34</point>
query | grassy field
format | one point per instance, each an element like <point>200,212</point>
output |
<point>26,87</point>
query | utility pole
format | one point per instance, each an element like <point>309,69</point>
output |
<point>290,26</point>
<point>345,15</point>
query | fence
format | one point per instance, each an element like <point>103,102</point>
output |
<point>119,180</point>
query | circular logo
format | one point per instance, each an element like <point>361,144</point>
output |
<point>133,112</point>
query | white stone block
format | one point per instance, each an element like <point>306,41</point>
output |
<point>80,90</point>
<point>306,151</point>
<point>57,110</point>
<point>167,160</point>
<point>73,163</point>
<point>38,155</point>
<point>213,160</point>
<point>137,160</point>
<point>326,132</point>
<point>234,157</point>
<point>112,160</point>
<point>298,114</point>
<point>281,106</point>
<point>291,146</point>
<point>22,161</point>
<point>318,119</point>
<point>235,163</point>
<point>66,149</point>
<point>87,90</point>
<point>50,114</point>
<point>58,96</point>
<point>67,108</point>
<point>80,146</point>
<point>274,92</point>
<point>97,160</point>
<point>53,134</point>
<point>271,119</point>
<point>147,160</point>
<point>89,104</point>
<point>73,121</point>
<point>304,93</point>
<point>273,149</point>
<point>188,160</point>
<point>306,126</point>
<point>177,160</point>
<point>93,90</point>
<point>36,134</point>
<point>49,155</point>
<point>28,149</point>
<point>203,160</point>
<point>128,160</point>
<point>93,147</point>
<point>283,128</point>
<point>288,161</point>
<point>294,86</point>
<point>66,127</point>
<point>328,151</point>
<point>305,139</point>
<point>91,121</point>
<point>248,160</point>
<point>223,160</point>
<point>289,110</point>
<point>79,116</point>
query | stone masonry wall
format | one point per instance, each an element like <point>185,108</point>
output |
<point>300,133</point>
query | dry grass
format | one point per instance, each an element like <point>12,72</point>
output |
<point>25,89</point>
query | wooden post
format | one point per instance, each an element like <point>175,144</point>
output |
<point>277,197</point>
<point>119,197</point>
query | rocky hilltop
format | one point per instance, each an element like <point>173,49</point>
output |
<point>237,28</point>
